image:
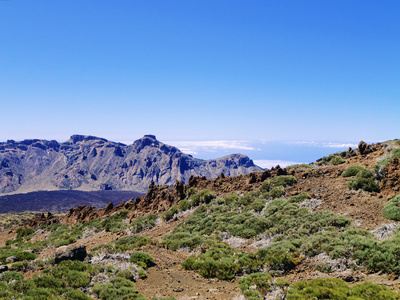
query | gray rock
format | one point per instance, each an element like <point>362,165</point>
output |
<point>11,259</point>
<point>76,252</point>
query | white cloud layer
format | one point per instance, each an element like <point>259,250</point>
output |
<point>265,163</point>
<point>327,144</point>
<point>193,147</point>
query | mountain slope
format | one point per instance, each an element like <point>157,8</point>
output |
<point>92,163</point>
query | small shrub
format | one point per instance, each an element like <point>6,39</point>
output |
<point>184,205</point>
<point>299,198</point>
<point>144,222</point>
<point>319,289</point>
<point>352,171</point>
<point>337,160</point>
<point>231,198</point>
<point>127,274</point>
<point>116,288</point>
<point>284,180</point>
<point>258,205</point>
<point>364,180</point>
<point>168,214</point>
<point>391,210</point>
<point>140,256</point>
<point>115,222</point>
<point>24,233</point>
<point>262,282</point>
<point>204,196</point>
<point>131,242</point>
<point>190,191</point>
<point>276,192</point>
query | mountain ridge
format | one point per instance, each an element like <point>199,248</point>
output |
<point>86,163</point>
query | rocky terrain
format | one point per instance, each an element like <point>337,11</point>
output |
<point>90,163</point>
<point>327,230</point>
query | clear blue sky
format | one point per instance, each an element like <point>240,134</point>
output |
<point>200,70</point>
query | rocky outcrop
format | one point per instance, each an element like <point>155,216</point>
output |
<point>73,252</point>
<point>390,183</point>
<point>92,163</point>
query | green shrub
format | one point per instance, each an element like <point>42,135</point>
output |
<point>24,233</point>
<point>258,205</point>
<point>330,288</point>
<point>190,191</point>
<point>262,281</point>
<point>131,242</point>
<point>352,171</point>
<point>231,198</point>
<point>276,192</point>
<point>299,198</point>
<point>168,214</point>
<point>333,288</point>
<point>11,275</point>
<point>115,222</point>
<point>368,290</point>
<point>127,274</point>
<point>184,205</point>
<point>337,160</point>
<point>364,180</point>
<point>204,196</point>
<point>299,166</point>
<point>19,254</point>
<point>140,256</point>
<point>284,180</point>
<point>116,288</point>
<point>144,222</point>
<point>391,210</point>
<point>75,295</point>
<point>180,240</point>
<point>142,274</point>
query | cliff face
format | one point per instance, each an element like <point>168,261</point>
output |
<point>92,163</point>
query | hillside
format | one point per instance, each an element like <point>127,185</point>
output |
<point>90,163</point>
<point>326,230</point>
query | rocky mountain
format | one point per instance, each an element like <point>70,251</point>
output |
<point>91,163</point>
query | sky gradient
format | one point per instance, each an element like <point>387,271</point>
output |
<point>277,71</point>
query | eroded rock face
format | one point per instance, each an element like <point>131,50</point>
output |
<point>92,163</point>
<point>76,252</point>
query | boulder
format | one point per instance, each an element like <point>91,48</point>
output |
<point>75,252</point>
<point>11,259</point>
<point>3,268</point>
<point>364,148</point>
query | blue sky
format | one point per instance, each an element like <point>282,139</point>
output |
<point>254,71</point>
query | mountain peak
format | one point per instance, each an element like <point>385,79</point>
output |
<point>80,138</point>
<point>151,136</point>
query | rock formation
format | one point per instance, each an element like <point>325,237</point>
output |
<point>91,163</point>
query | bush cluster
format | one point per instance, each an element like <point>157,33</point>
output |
<point>144,222</point>
<point>364,180</point>
<point>115,222</point>
<point>142,259</point>
<point>391,210</point>
<point>334,288</point>
<point>352,171</point>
